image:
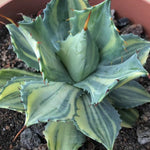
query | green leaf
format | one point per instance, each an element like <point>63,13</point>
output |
<point>102,30</point>
<point>100,83</point>
<point>80,55</point>
<point>100,122</point>
<point>129,95</point>
<point>21,46</point>
<point>133,44</point>
<point>50,65</point>
<point>55,18</point>
<point>129,117</point>
<point>26,19</point>
<point>10,94</point>
<point>54,101</point>
<point>7,74</point>
<point>63,136</point>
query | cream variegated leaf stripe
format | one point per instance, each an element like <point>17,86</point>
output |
<point>100,122</point>
<point>7,74</point>
<point>135,44</point>
<point>10,95</point>
<point>23,49</point>
<point>130,95</point>
<point>63,136</point>
<point>55,101</point>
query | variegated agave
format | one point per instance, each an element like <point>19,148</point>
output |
<point>87,68</point>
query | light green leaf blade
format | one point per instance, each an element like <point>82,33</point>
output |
<point>50,65</point>
<point>100,122</point>
<point>63,136</point>
<point>80,55</point>
<point>130,95</point>
<point>103,31</point>
<point>21,46</point>
<point>10,95</point>
<point>9,92</point>
<point>106,78</point>
<point>133,44</point>
<point>129,117</point>
<point>54,101</point>
<point>7,74</point>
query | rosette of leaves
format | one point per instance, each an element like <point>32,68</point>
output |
<point>87,69</point>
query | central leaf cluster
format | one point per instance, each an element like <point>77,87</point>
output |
<point>80,55</point>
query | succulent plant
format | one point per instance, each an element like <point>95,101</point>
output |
<point>87,69</point>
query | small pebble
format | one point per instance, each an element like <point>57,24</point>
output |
<point>7,128</point>
<point>29,139</point>
<point>143,134</point>
<point>123,22</point>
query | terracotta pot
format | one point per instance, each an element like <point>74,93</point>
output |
<point>12,8</point>
<point>136,10</point>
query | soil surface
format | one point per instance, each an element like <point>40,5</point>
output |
<point>137,138</point>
